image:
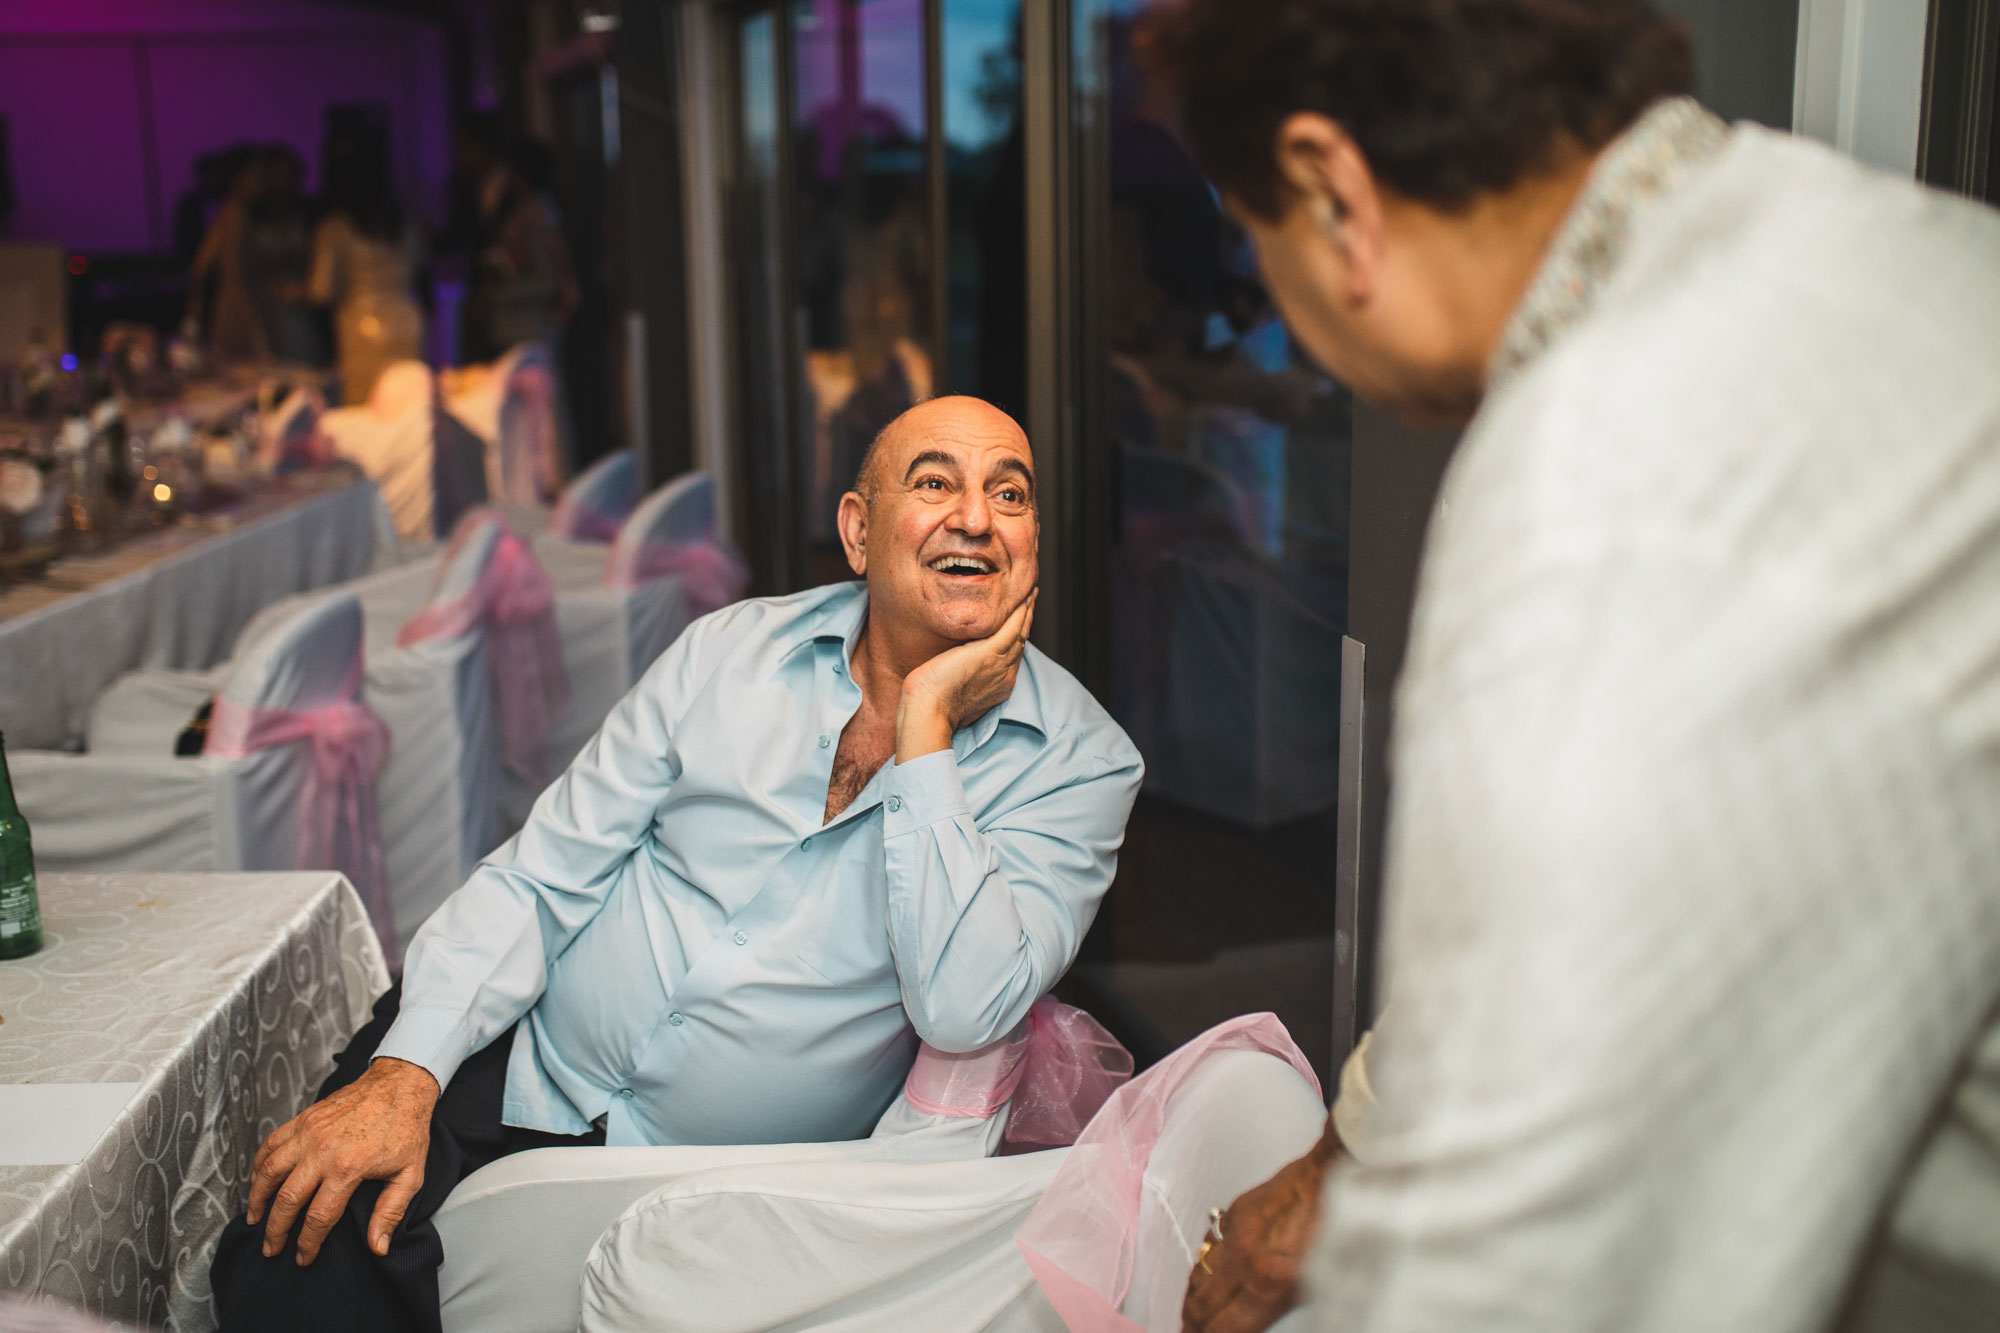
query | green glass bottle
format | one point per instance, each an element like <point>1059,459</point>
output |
<point>20,909</point>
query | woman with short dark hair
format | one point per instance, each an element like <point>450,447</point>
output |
<point>1691,946</point>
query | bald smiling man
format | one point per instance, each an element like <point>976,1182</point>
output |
<point>821,827</point>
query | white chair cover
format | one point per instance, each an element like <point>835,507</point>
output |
<point>611,632</point>
<point>289,435</point>
<point>910,1231</point>
<point>134,805</point>
<point>595,505</point>
<point>429,468</point>
<point>437,697</point>
<point>511,409</point>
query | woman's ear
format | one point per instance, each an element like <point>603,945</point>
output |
<point>1323,165</point>
<point>852,520</point>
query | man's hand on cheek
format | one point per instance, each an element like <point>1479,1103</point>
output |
<point>957,686</point>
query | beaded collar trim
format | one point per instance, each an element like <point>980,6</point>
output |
<point>1637,174</point>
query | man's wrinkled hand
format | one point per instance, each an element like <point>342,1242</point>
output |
<point>376,1128</point>
<point>958,685</point>
<point>1252,1274</point>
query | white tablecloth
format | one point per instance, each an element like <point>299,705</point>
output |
<point>223,999</point>
<point>175,600</point>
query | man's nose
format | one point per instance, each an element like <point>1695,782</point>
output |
<point>973,514</point>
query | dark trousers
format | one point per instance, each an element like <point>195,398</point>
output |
<point>348,1287</point>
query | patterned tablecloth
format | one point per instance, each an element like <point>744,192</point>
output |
<point>175,599</point>
<point>225,998</point>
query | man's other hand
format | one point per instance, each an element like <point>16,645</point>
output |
<point>1252,1274</point>
<point>376,1128</point>
<point>958,685</point>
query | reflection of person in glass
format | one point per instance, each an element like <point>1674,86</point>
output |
<point>1692,948</point>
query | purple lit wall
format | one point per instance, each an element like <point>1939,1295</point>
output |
<point>111,101</point>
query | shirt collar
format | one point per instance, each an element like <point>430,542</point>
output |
<point>838,620</point>
<point>1636,176</point>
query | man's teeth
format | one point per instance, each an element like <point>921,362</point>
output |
<point>962,564</point>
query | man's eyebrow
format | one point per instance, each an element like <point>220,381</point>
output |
<point>1017,467</point>
<point>935,457</point>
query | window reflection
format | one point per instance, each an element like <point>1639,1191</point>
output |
<point>1228,594</point>
<point>862,238</point>
<point>985,204</point>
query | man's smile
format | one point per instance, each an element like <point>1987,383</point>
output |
<point>963,566</point>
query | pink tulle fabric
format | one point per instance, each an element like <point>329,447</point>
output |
<point>515,600</point>
<point>1081,1239</point>
<point>338,824</point>
<point>713,575</point>
<point>1057,1073</point>
<point>528,421</point>
<point>575,522</point>
<point>294,437</point>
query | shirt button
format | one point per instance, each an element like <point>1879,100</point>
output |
<point>741,938</point>
<point>677,1018</point>
<point>626,1093</point>
<point>895,804</point>
<point>806,846</point>
<point>824,742</point>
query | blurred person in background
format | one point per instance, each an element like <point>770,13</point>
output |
<point>222,301</point>
<point>366,256</point>
<point>479,190</point>
<point>524,272</point>
<point>195,210</point>
<point>1691,939</point>
<point>277,243</point>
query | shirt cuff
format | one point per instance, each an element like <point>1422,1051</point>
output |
<point>921,793</point>
<point>434,1039</point>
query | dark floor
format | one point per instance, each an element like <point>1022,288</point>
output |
<point>1208,920</point>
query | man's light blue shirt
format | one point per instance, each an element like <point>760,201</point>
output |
<point>694,957</point>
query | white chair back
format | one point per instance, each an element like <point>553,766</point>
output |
<point>297,654</point>
<point>403,387</point>
<point>471,551</point>
<point>599,501</point>
<point>681,511</point>
<point>288,435</point>
<point>527,463</point>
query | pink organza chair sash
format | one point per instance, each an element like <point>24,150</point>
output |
<point>528,418</point>
<point>515,600</point>
<point>577,522</point>
<point>1057,1074</point>
<point>1082,1237</point>
<point>713,575</point>
<point>339,828</point>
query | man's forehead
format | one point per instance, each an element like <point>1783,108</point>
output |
<point>982,441</point>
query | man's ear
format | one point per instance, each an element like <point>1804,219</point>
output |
<point>852,520</point>
<point>1326,168</point>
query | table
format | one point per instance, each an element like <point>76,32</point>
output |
<point>174,599</point>
<point>219,1001</point>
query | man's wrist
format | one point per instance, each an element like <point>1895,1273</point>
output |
<point>922,727</point>
<point>405,1071</point>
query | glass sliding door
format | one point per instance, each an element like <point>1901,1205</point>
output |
<point>1226,573</point>
<point>888,181</point>
<point>862,237</point>
<point>877,241</point>
<point>985,206</point>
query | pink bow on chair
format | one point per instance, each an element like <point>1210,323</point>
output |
<point>713,575</point>
<point>339,827</point>
<point>1057,1074</point>
<point>577,522</point>
<point>1082,1238</point>
<point>516,601</point>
